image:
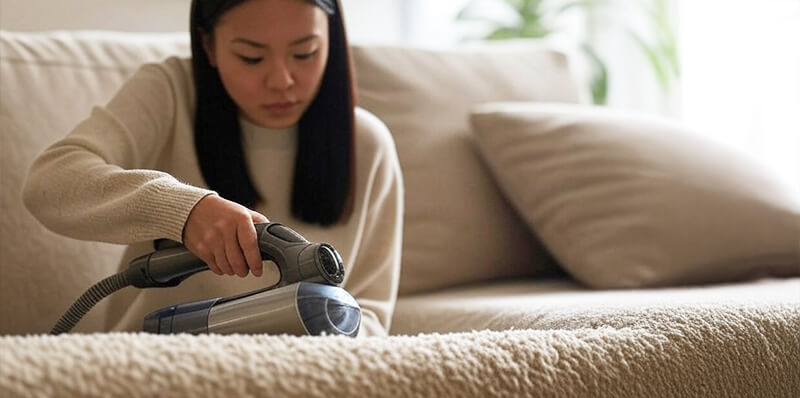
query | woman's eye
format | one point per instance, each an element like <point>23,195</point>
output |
<point>250,60</point>
<point>304,56</point>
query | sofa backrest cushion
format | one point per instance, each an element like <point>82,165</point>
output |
<point>458,227</point>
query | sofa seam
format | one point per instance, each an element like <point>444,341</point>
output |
<point>49,63</point>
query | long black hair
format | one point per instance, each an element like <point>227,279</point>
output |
<point>322,191</point>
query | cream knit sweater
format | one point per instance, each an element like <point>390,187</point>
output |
<point>128,174</point>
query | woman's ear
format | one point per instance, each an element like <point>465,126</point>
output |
<point>208,47</point>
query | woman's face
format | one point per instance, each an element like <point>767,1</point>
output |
<point>271,55</point>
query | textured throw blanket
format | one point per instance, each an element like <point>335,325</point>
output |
<point>697,351</point>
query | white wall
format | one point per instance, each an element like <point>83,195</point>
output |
<point>124,15</point>
<point>368,20</point>
<point>741,77</point>
<point>376,21</point>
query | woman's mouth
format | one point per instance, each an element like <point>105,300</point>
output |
<point>280,108</point>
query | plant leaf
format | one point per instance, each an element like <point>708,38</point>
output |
<point>504,33</point>
<point>653,57</point>
<point>599,80</point>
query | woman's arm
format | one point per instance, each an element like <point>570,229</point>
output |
<point>98,184</point>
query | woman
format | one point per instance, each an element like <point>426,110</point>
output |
<point>259,124</point>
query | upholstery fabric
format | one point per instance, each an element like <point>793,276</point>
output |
<point>564,304</point>
<point>726,341</point>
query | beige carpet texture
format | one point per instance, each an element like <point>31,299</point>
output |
<point>695,351</point>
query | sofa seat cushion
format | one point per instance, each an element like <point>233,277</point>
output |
<point>563,304</point>
<point>719,340</point>
<point>738,340</point>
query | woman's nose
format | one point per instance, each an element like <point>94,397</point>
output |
<point>279,76</point>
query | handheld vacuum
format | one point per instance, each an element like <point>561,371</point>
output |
<point>306,300</point>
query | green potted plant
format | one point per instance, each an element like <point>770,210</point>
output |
<point>540,18</point>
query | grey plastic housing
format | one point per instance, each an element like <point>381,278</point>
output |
<point>297,260</point>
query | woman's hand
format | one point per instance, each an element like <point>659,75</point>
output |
<point>221,233</point>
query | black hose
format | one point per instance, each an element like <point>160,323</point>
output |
<point>88,300</point>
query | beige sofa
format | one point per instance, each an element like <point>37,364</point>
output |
<point>483,310</point>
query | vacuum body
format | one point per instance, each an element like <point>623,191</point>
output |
<point>302,308</point>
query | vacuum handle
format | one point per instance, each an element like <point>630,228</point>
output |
<point>172,262</point>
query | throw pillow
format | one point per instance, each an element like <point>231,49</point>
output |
<point>624,200</point>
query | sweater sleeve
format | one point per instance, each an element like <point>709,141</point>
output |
<point>98,182</point>
<point>375,271</point>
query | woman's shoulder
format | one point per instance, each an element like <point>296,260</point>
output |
<point>173,73</point>
<point>176,69</point>
<point>172,66</point>
<point>171,76</point>
<point>372,135</point>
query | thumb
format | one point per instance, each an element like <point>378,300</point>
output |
<point>258,217</point>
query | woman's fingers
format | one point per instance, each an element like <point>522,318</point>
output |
<point>258,218</point>
<point>222,261</point>
<point>208,258</point>
<point>248,241</point>
<point>213,267</point>
<point>234,255</point>
<point>203,253</point>
<point>222,234</point>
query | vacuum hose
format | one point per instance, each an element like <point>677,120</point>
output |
<point>88,300</point>
<point>297,260</point>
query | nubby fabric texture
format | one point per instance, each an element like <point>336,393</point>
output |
<point>694,353</point>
